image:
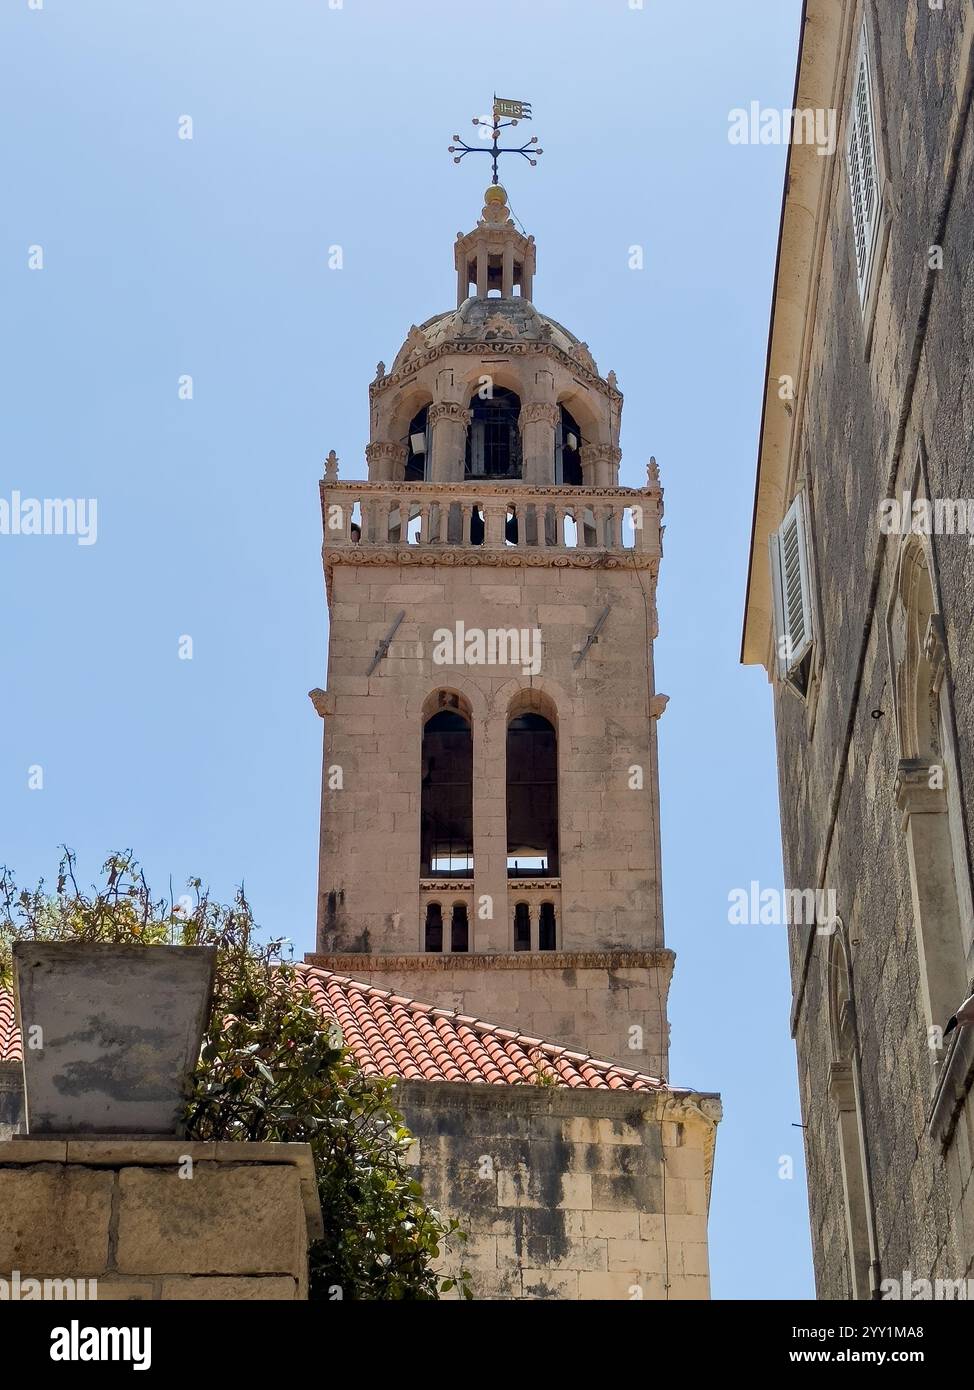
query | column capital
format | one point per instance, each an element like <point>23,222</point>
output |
<point>914,794</point>
<point>448,410</point>
<point>538,413</point>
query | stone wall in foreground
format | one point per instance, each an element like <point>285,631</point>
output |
<point>236,1226</point>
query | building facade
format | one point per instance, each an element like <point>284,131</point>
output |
<point>860,601</point>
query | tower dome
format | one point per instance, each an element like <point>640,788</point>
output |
<point>493,388</point>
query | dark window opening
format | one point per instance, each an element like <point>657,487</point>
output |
<point>459,928</point>
<point>522,927</point>
<point>568,460</point>
<point>418,447</point>
<point>446,815</point>
<point>493,439</point>
<point>532,797</point>
<point>546,928</point>
<point>434,927</point>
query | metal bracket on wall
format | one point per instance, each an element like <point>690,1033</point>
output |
<point>385,644</point>
<point>580,656</point>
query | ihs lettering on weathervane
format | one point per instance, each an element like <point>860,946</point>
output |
<point>515,111</point>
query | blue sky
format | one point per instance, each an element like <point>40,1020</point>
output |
<point>316,126</point>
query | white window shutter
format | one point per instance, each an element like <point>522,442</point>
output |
<point>863,168</point>
<point>792,589</point>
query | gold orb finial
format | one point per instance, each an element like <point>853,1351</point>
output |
<point>496,194</point>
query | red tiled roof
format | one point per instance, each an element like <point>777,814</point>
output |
<point>9,1032</point>
<point>389,1035</point>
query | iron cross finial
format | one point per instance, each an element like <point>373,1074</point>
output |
<point>515,111</point>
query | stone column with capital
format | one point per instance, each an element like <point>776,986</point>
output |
<point>538,423</point>
<point>600,465</point>
<point>448,422</point>
<point>386,460</point>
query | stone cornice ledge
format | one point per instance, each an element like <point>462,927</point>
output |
<point>953,1085</point>
<point>458,555</point>
<point>348,963</point>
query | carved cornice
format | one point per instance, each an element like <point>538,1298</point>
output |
<point>536,557</point>
<point>522,348</point>
<point>448,410</point>
<point>524,885</point>
<point>513,491</point>
<point>355,965</point>
<point>446,885</point>
<point>538,413</point>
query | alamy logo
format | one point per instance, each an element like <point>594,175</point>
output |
<point>77,1343</point>
<point>18,1289</point>
<point>783,907</point>
<point>50,516</point>
<point>492,646</point>
<point>766,125</point>
<point>944,516</point>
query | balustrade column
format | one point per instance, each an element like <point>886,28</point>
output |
<point>495,522</point>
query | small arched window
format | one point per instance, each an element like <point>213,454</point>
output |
<point>459,928</point>
<point>434,927</point>
<point>494,437</point>
<point>522,927</point>
<point>546,927</point>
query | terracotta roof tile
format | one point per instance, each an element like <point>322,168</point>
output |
<point>390,1035</point>
<point>9,1032</point>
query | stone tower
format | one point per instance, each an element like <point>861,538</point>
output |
<point>490,808</point>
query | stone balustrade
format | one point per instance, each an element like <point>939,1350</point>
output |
<point>492,516</point>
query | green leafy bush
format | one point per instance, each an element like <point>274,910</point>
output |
<point>271,1068</point>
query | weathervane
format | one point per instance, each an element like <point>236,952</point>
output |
<point>517,111</point>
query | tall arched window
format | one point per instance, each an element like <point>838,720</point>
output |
<point>522,927</point>
<point>927,786</point>
<point>446,814</point>
<point>494,439</point>
<point>532,797</point>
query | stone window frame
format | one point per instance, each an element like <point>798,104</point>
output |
<point>925,735</point>
<point>867,52</point>
<point>845,1102</point>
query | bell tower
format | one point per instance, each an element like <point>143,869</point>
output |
<point>490,808</point>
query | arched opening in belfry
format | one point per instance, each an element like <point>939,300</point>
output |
<point>494,437</point>
<point>568,450</point>
<point>446,813</point>
<point>532,797</point>
<point>418,447</point>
